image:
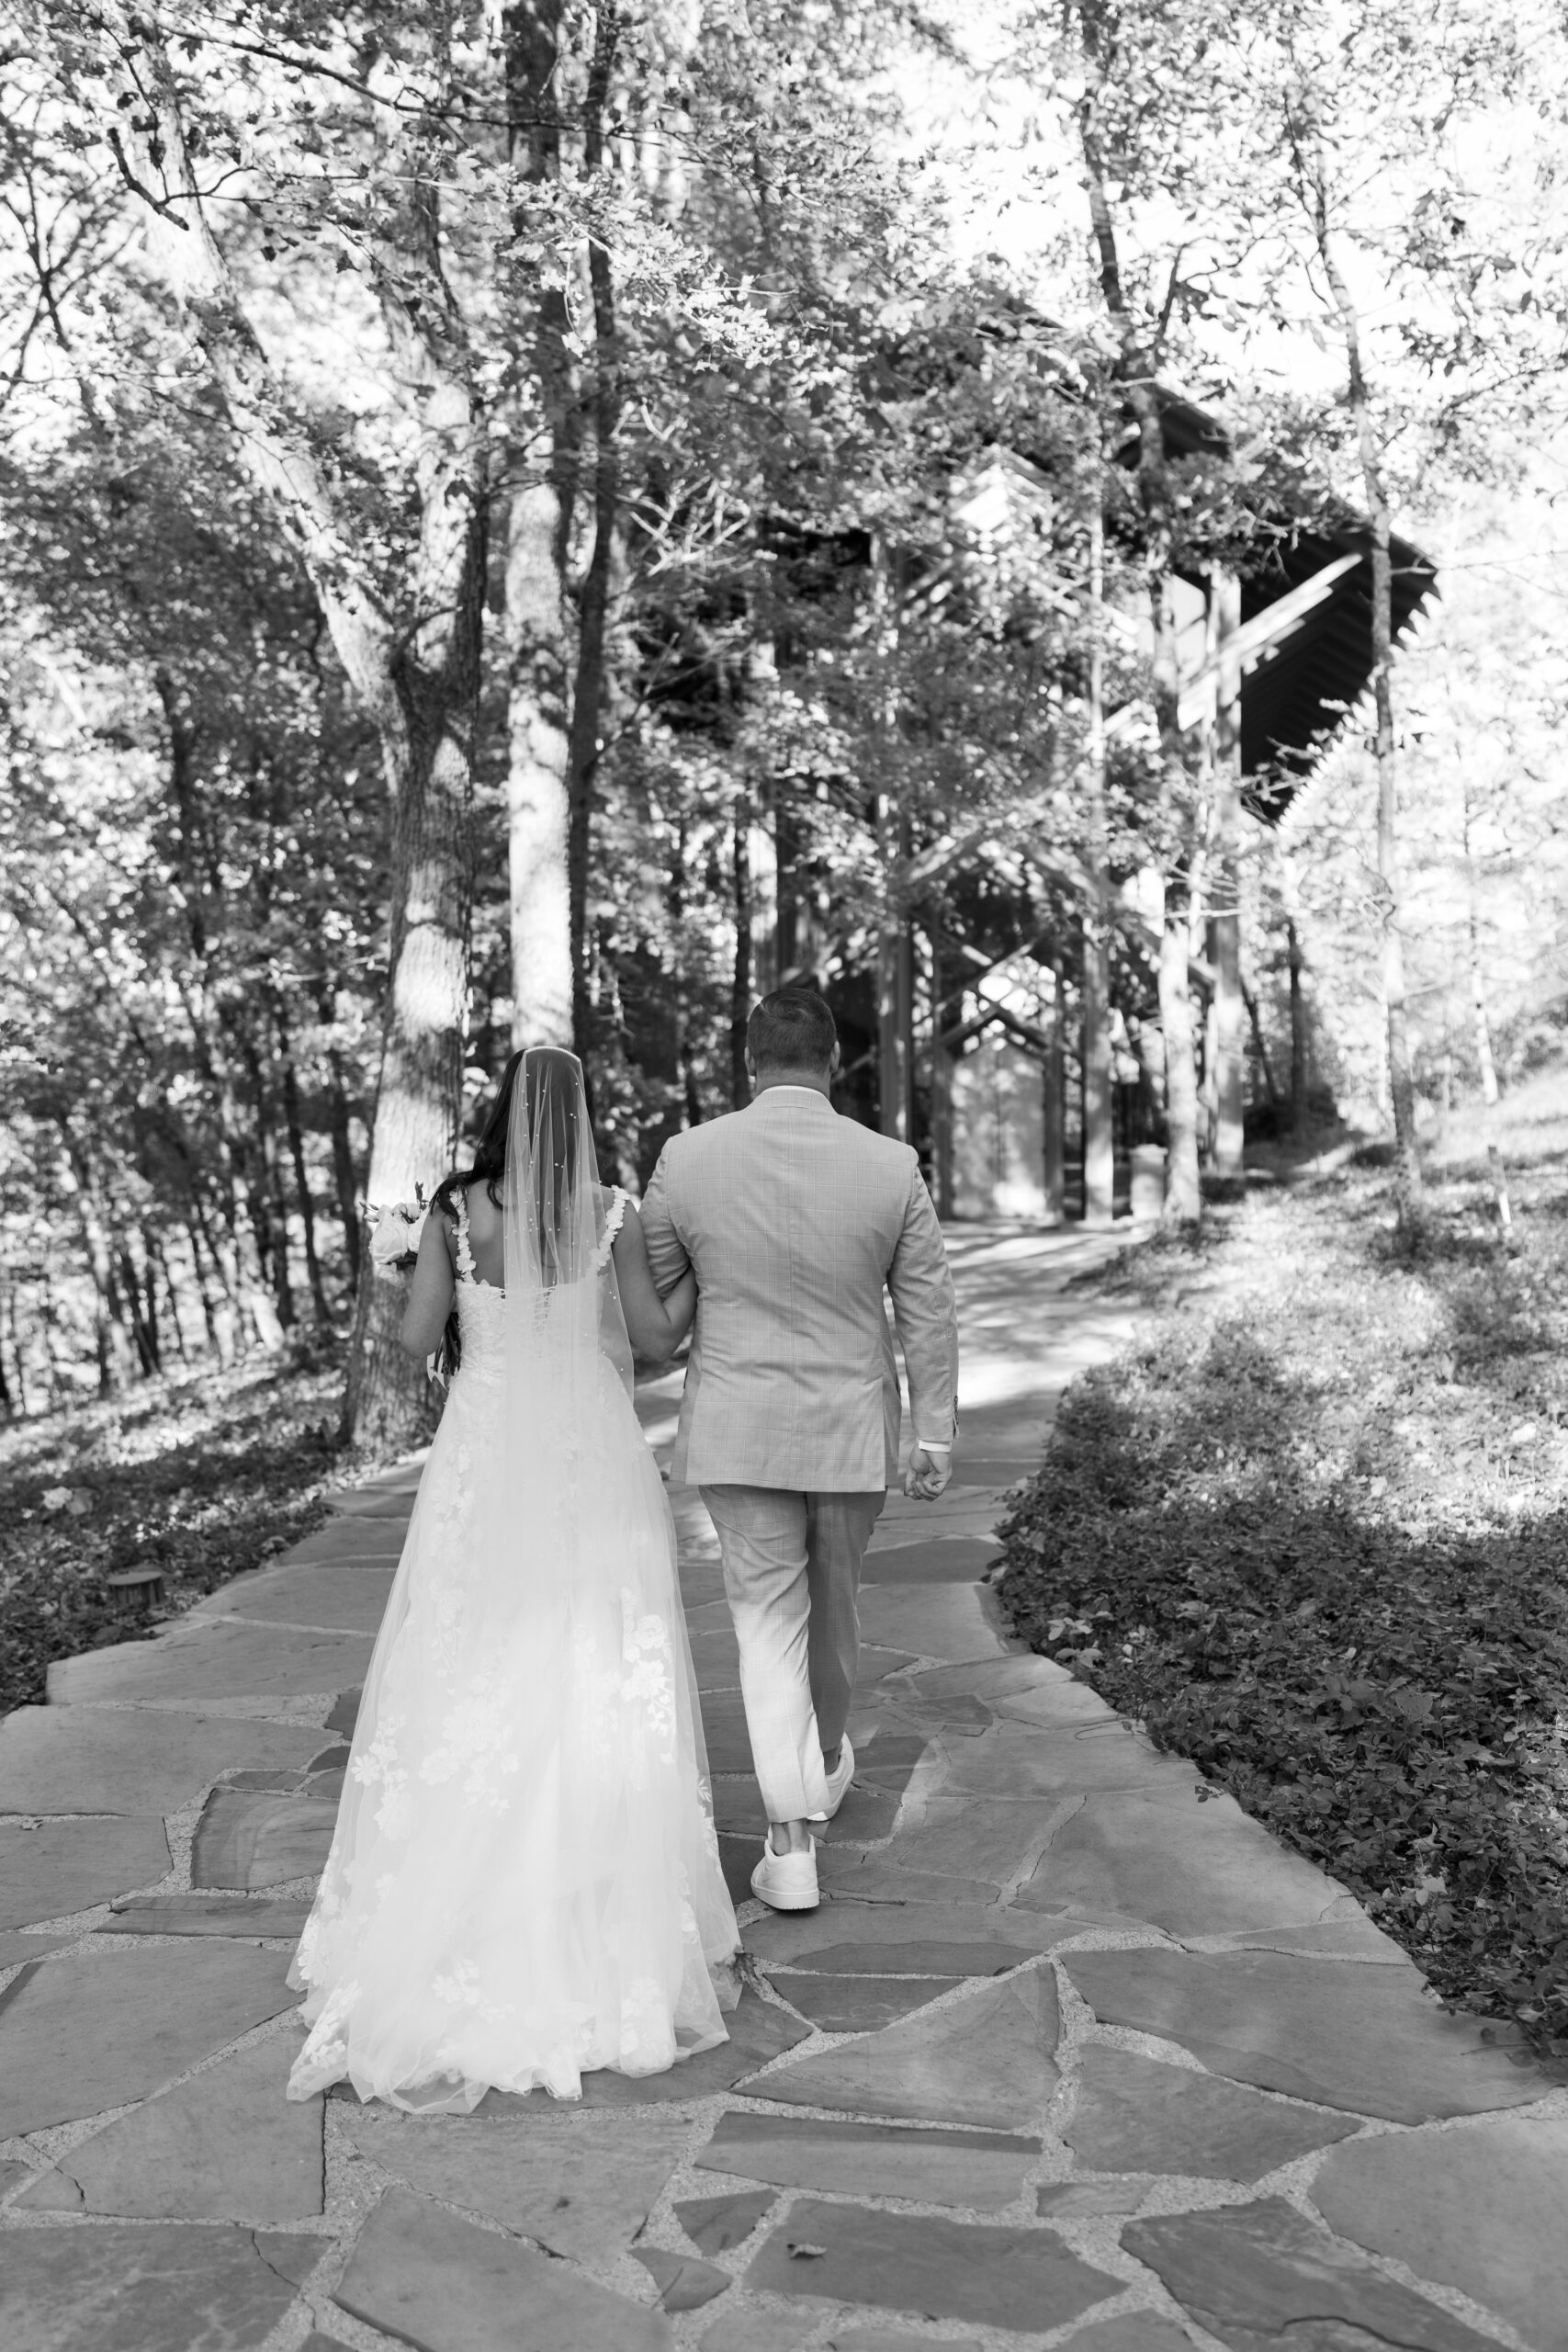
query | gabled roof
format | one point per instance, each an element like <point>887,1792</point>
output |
<point>1301,687</point>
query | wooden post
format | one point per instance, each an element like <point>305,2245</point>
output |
<point>942,1090</point>
<point>1226,1032</point>
<point>1055,1098</point>
<point>1098,1142</point>
<point>1298,1033</point>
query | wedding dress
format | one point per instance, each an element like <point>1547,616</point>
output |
<point>525,1882</point>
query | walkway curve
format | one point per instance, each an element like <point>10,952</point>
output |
<point>1073,2053</point>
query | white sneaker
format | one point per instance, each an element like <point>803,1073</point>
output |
<point>839,1780</point>
<point>786,1882</point>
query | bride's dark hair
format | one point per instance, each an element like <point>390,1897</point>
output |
<point>489,1152</point>
<point>550,1082</point>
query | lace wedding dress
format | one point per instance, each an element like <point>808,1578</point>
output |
<point>525,1882</point>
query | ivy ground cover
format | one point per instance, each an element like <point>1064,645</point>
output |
<point>199,1477</point>
<point>1311,1531</point>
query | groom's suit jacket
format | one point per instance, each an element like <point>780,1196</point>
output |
<point>796,1221</point>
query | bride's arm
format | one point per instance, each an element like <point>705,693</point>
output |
<point>429,1292</point>
<point>655,1325</point>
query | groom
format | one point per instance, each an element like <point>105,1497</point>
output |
<point>794,1221</point>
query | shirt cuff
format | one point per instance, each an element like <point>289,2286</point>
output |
<point>934,1445</point>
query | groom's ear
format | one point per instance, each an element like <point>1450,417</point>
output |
<point>750,1066</point>
<point>835,1059</point>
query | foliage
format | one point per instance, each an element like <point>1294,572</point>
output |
<point>1309,1529</point>
<point>200,1478</point>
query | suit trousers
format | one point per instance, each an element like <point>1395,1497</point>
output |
<point>792,1573</point>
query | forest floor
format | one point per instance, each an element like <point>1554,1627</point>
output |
<point>1310,1531</point>
<point>200,1476</point>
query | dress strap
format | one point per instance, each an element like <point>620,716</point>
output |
<point>615,1218</point>
<point>465,1254</point>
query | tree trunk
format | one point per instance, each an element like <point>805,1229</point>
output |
<point>740,982</point>
<point>537,622</point>
<point>1261,1047</point>
<point>290,1090</point>
<point>344,1181</point>
<point>419,682</point>
<point>419,1096</point>
<point>1312,169</point>
<point>1183,1195</point>
<point>1098,1099</point>
<point>538,772</point>
<point>588,687</point>
<point>1298,1032</point>
<point>1483,1054</point>
<point>1226,591</point>
<point>1055,1106</point>
<point>79,1177</point>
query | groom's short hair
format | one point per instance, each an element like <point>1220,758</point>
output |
<point>791,1029</point>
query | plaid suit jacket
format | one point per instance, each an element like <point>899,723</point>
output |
<point>796,1221</point>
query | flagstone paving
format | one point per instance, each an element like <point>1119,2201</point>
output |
<point>1072,2054</point>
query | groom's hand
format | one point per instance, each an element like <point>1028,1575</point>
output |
<point>927,1474</point>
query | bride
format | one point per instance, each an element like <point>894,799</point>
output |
<point>524,1884</point>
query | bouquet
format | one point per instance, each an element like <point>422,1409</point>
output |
<point>395,1232</point>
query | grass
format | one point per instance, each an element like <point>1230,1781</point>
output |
<point>1310,1529</point>
<point>201,1477</point>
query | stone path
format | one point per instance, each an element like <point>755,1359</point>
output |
<point>1072,2053</point>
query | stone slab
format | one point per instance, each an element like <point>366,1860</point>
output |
<point>421,2274</point>
<point>250,1840</point>
<point>344,1714</point>
<point>1191,1866</point>
<point>737,1857</point>
<point>206,1914</point>
<point>858,2004</point>
<point>1136,2332</point>
<point>210,1660</point>
<point>920,1959</point>
<point>16,1951</point>
<point>92,2030</point>
<point>11,2172</point>
<point>758,2032</point>
<point>940,1559</point>
<point>984,2059</point>
<point>349,1596</point>
<point>752,2328</point>
<point>980,2170</point>
<point>294,2253</point>
<point>1134,2115</point>
<point>948,1623</point>
<point>717,2223</point>
<point>58,1760</point>
<point>715,1660</point>
<point>891,2339</point>
<point>1014,1760</point>
<point>724,1728</point>
<point>139,2289</point>
<point>997,1838</point>
<point>1353,1937</point>
<point>341,1541</point>
<point>1369,2041</point>
<point>820,1938</point>
<point>1079,2200</point>
<point>866,1816</point>
<point>929,2266</point>
<point>1009,1681</point>
<point>683,2283</point>
<point>63,1867</point>
<point>1481,2209</point>
<point>1257,2276</point>
<point>853,1874</point>
<point>580,2186</point>
<point>225,2147</point>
